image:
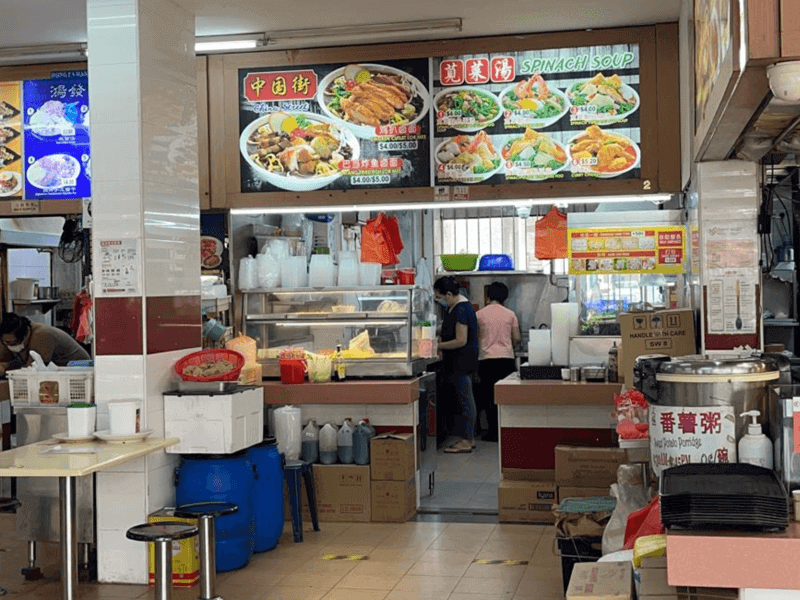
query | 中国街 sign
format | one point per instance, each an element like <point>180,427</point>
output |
<point>570,114</point>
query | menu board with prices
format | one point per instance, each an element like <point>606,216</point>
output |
<point>681,435</point>
<point>10,140</point>
<point>540,115</point>
<point>119,273</point>
<point>56,122</point>
<point>351,126</point>
<point>627,250</point>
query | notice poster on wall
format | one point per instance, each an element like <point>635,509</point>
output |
<point>691,434</point>
<point>566,114</point>
<point>353,126</point>
<point>10,140</point>
<point>627,250</point>
<point>56,121</point>
<point>119,273</point>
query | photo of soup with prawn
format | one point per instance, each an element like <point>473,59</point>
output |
<point>601,153</point>
<point>609,97</point>
<point>533,103</point>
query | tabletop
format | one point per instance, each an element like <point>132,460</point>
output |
<point>513,390</point>
<point>33,460</point>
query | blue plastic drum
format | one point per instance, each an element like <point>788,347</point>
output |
<point>269,494</point>
<point>223,478</point>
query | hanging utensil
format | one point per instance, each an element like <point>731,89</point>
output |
<point>738,306</point>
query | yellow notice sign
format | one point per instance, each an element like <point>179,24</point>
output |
<point>627,250</point>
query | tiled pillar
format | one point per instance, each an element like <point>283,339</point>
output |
<point>142,85</point>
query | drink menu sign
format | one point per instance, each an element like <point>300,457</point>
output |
<point>350,126</point>
<point>56,123</point>
<point>567,114</point>
<point>627,250</point>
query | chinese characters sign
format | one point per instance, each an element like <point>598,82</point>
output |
<point>691,434</point>
<point>119,273</point>
<point>10,141</point>
<point>627,250</point>
<point>56,122</point>
<point>335,127</point>
<point>563,114</point>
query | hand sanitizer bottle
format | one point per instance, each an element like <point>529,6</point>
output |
<point>755,448</point>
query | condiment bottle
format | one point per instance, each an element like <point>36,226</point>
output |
<point>339,367</point>
<point>613,364</point>
<point>311,442</point>
<point>328,444</point>
<point>345,439</point>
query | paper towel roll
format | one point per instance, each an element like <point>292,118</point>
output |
<point>565,323</point>
<point>539,347</point>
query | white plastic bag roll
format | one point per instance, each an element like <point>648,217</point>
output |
<point>269,271</point>
<point>289,431</point>
<point>248,273</point>
<point>565,323</point>
<point>539,347</point>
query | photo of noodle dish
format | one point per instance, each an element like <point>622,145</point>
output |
<point>297,151</point>
<point>54,172</point>
<point>467,158</point>
<point>533,155</point>
<point>367,96</point>
<point>466,108</point>
<point>603,99</point>
<point>600,153</point>
<point>10,183</point>
<point>533,103</point>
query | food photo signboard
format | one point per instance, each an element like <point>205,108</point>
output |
<point>340,126</point>
<point>570,114</point>
<point>627,250</point>
<point>10,141</point>
<point>56,123</point>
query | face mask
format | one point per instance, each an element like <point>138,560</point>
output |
<point>442,302</point>
<point>16,349</point>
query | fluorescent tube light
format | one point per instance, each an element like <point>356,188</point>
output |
<point>25,55</point>
<point>275,210</point>
<point>367,30</point>
<point>224,43</point>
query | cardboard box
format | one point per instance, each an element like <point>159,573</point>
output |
<point>394,501</point>
<point>654,562</point>
<point>392,457</point>
<point>185,553</point>
<point>669,332</point>
<point>582,492</point>
<point>529,474</point>
<point>526,501</point>
<point>654,583</point>
<point>343,494</point>
<point>578,466</point>
<point>601,581</point>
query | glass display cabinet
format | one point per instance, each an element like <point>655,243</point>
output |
<point>384,331</point>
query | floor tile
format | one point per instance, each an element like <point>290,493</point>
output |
<point>290,593</point>
<point>423,584</point>
<point>370,582</point>
<point>348,594</point>
<point>325,581</point>
<point>488,586</point>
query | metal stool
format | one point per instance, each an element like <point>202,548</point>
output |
<point>206,512</point>
<point>291,473</point>
<point>8,505</point>
<point>162,535</point>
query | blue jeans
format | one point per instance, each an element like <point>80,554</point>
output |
<point>465,403</point>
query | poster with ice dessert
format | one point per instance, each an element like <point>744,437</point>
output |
<point>56,124</point>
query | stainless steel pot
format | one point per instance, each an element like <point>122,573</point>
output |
<point>48,293</point>
<point>742,383</point>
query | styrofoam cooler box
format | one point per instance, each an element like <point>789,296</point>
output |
<point>219,423</point>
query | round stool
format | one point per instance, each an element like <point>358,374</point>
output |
<point>205,513</point>
<point>162,535</point>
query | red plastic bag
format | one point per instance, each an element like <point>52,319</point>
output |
<point>380,240</point>
<point>551,235</point>
<point>646,521</point>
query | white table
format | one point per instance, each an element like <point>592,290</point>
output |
<point>29,461</point>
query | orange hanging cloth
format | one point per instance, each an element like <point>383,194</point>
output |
<point>551,235</point>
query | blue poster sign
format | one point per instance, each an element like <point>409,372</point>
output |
<point>57,159</point>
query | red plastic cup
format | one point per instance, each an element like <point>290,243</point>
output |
<point>293,370</point>
<point>406,276</point>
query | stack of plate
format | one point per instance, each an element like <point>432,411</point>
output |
<point>723,496</point>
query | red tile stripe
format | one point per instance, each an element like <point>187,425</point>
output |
<point>534,447</point>
<point>173,323</point>
<point>118,326</point>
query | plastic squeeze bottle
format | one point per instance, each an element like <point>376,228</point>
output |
<point>345,438</point>
<point>755,448</point>
<point>327,444</point>
<point>311,442</point>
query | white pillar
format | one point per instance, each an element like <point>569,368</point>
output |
<point>142,93</point>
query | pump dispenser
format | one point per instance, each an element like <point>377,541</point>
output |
<point>755,448</point>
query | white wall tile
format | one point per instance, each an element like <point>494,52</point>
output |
<point>132,466</point>
<point>161,459</point>
<point>120,500</point>
<point>585,417</point>
<point>155,420</point>
<point>119,378</point>
<point>113,40</point>
<point>124,104</point>
<point>523,416</point>
<point>169,155</point>
<point>391,414</point>
<point>120,560</point>
<point>116,151</point>
<point>160,488</point>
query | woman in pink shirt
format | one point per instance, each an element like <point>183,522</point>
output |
<point>498,334</point>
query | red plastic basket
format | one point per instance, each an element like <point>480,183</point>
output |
<point>204,356</point>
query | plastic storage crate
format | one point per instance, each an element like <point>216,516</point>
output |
<point>61,387</point>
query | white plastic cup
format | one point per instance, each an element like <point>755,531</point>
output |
<point>81,418</point>
<point>565,374</point>
<point>124,417</point>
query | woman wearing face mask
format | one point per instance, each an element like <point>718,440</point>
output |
<point>19,336</point>
<point>459,346</point>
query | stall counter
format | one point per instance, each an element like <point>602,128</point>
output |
<point>379,391</point>
<point>537,415</point>
<point>734,559</point>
